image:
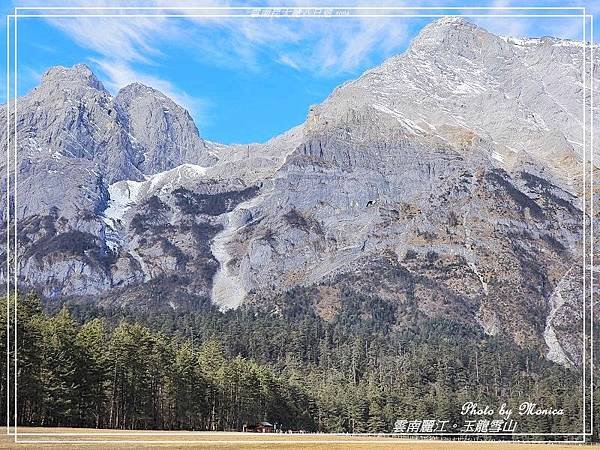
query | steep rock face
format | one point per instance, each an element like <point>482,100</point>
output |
<point>70,127</point>
<point>523,97</point>
<point>513,236</point>
<point>160,232</point>
<point>152,234</point>
<point>446,181</point>
<point>71,115</point>
<point>75,140</point>
<point>69,135</point>
<point>164,130</point>
<point>462,157</point>
<point>255,163</point>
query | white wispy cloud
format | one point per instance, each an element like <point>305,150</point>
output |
<point>322,46</point>
<point>504,26</point>
<point>123,38</point>
<point>562,27</point>
<point>288,60</point>
<point>325,46</point>
<point>33,76</point>
<point>128,49</point>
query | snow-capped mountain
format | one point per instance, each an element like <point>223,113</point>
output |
<point>447,180</point>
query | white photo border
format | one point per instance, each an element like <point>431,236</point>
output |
<point>289,12</point>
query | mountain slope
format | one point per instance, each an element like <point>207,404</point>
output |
<point>457,163</point>
<point>446,181</point>
<point>162,128</point>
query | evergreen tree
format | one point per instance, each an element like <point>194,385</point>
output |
<point>218,371</point>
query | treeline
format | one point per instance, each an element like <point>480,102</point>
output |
<point>210,370</point>
<point>133,378</point>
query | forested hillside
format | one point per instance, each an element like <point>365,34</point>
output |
<point>217,371</point>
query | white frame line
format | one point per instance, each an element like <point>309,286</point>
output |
<point>299,16</point>
<point>16,15</point>
<point>16,269</point>
<point>583,77</point>
<point>298,442</point>
<point>591,222</point>
<point>8,174</point>
<point>353,8</point>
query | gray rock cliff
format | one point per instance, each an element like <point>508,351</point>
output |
<point>447,180</point>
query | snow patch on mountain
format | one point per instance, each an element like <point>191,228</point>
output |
<point>123,195</point>
<point>556,352</point>
<point>228,290</point>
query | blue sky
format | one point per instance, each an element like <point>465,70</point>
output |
<point>242,79</point>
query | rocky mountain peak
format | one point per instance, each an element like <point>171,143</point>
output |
<point>141,99</point>
<point>447,26</point>
<point>451,22</point>
<point>165,129</point>
<point>78,75</point>
<point>455,36</point>
<point>137,89</point>
<point>441,177</point>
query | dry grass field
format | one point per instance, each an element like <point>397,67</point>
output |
<point>55,438</point>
